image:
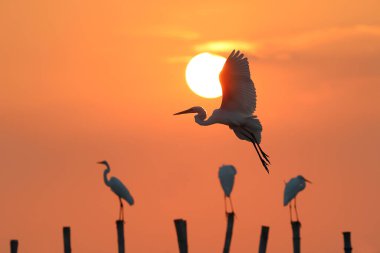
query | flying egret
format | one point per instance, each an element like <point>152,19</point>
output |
<point>227,177</point>
<point>118,188</point>
<point>238,104</point>
<point>292,188</point>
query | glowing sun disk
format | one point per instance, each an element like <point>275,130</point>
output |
<point>202,74</point>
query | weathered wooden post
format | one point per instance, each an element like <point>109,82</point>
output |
<point>14,246</point>
<point>66,240</point>
<point>181,229</point>
<point>263,239</point>
<point>296,225</point>
<point>120,236</point>
<point>347,242</point>
<point>230,227</point>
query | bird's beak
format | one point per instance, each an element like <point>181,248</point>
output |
<point>185,111</point>
<point>308,181</point>
<point>99,162</point>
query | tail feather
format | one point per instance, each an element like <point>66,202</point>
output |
<point>252,125</point>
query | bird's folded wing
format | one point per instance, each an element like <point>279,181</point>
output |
<point>239,93</point>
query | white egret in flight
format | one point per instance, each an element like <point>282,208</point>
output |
<point>118,188</point>
<point>292,188</point>
<point>238,104</point>
<point>227,177</point>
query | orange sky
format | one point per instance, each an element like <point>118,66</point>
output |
<point>93,80</point>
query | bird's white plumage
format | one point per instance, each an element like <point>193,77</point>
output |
<point>120,190</point>
<point>293,187</point>
<point>239,93</point>
<point>227,177</point>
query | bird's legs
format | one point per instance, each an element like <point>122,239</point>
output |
<point>121,211</point>
<point>265,164</point>
<point>254,142</point>
<point>225,204</point>
<point>232,207</point>
<point>290,209</point>
<point>295,207</point>
<point>266,157</point>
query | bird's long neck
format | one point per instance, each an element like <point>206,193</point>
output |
<point>106,171</point>
<point>203,122</point>
<point>201,116</point>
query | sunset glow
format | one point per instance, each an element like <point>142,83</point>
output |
<point>87,81</point>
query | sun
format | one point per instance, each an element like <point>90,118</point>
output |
<point>202,74</point>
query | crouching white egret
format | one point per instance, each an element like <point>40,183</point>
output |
<point>227,178</point>
<point>292,188</point>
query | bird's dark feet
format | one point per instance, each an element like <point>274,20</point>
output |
<point>266,157</point>
<point>265,164</point>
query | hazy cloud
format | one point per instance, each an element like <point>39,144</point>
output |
<point>225,46</point>
<point>348,40</point>
<point>334,51</point>
<point>175,32</point>
<point>354,40</point>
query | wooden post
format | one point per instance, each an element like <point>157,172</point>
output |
<point>181,229</point>
<point>296,225</point>
<point>230,227</point>
<point>120,236</point>
<point>14,246</point>
<point>263,239</point>
<point>347,242</point>
<point>66,240</point>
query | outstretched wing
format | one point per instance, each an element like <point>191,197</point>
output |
<point>239,93</point>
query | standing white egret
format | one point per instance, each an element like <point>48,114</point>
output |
<point>238,104</point>
<point>292,188</point>
<point>118,188</point>
<point>227,178</point>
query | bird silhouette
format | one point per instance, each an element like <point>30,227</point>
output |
<point>227,178</point>
<point>292,188</point>
<point>118,188</point>
<point>238,104</point>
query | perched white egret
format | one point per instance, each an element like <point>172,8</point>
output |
<point>292,188</point>
<point>238,104</point>
<point>118,188</point>
<point>227,178</point>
